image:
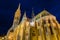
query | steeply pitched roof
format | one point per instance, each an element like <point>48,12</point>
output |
<point>41,14</point>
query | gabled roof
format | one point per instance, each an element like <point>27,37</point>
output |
<point>41,14</point>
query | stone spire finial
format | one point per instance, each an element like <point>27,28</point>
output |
<point>33,14</point>
<point>25,14</point>
<point>24,17</point>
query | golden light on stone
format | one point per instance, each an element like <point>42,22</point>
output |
<point>44,26</point>
<point>10,36</point>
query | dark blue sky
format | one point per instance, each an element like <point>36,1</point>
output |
<point>8,8</point>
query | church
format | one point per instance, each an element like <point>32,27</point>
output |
<point>43,26</point>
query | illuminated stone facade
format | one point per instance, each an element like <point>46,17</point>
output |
<point>44,26</point>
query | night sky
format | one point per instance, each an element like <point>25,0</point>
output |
<point>8,8</point>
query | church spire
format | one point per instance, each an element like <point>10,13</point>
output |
<point>16,18</point>
<point>33,15</point>
<point>25,14</point>
<point>24,17</point>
